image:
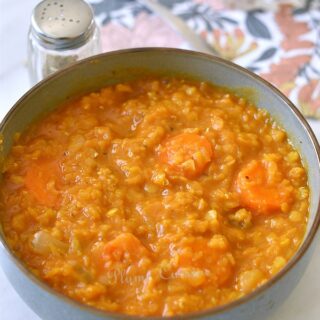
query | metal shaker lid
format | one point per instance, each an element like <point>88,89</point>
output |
<point>62,24</point>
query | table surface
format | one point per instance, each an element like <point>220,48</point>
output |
<point>303,304</point>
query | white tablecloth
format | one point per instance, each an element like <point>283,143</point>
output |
<point>303,304</point>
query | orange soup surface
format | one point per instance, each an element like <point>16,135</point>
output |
<point>159,197</point>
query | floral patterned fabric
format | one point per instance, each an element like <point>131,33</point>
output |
<point>279,40</point>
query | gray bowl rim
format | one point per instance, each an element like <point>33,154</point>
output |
<point>215,311</point>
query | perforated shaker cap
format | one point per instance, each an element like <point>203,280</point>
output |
<point>62,24</point>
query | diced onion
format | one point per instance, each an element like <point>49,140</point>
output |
<point>44,243</point>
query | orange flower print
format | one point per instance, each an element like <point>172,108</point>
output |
<point>230,44</point>
<point>291,29</point>
<point>309,98</point>
<point>147,31</point>
<point>283,73</point>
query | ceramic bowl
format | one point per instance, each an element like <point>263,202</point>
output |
<point>109,68</point>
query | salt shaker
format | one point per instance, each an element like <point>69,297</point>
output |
<point>61,33</point>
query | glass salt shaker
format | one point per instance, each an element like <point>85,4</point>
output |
<point>61,33</point>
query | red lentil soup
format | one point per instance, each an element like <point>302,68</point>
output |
<point>158,197</point>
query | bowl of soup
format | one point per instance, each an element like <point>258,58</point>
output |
<point>156,183</point>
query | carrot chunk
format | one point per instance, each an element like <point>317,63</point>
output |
<point>119,254</point>
<point>211,255</point>
<point>186,154</point>
<point>41,180</point>
<point>124,247</point>
<point>256,193</point>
